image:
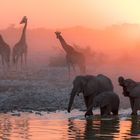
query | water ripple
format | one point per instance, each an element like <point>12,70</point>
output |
<point>61,125</point>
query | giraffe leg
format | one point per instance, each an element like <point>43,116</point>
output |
<point>69,70</point>
<point>7,63</point>
<point>73,66</point>
<point>21,60</point>
<point>25,58</point>
<point>3,62</point>
<point>16,61</point>
<point>2,58</point>
<point>82,68</point>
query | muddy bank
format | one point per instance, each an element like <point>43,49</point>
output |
<point>37,95</point>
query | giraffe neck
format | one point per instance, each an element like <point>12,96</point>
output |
<point>23,36</point>
<point>2,41</point>
<point>65,46</point>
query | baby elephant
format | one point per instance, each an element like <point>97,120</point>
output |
<point>108,102</point>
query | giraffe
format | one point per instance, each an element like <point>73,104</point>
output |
<point>4,52</point>
<point>20,48</point>
<point>73,57</point>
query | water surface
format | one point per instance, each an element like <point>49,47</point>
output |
<point>61,125</point>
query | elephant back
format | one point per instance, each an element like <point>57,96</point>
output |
<point>97,84</point>
<point>91,86</point>
<point>135,92</point>
<point>108,98</point>
<point>104,83</point>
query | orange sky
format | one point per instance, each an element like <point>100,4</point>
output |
<point>65,13</point>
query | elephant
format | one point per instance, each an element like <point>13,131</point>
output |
<point>108,102</point>
<point>90,86</point>
<point>131,89</point>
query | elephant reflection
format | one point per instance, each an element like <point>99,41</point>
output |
<point>131,89</point>
<point>135,127</point>
<point>93,129</point>
<point>90,86</point>
<point>108,102</point>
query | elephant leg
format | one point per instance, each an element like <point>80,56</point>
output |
<point>102,110</point>
<point>132,104</point>
<point>136,106</point>
<point>105,111</point>
<point>115,111</point>
<point>69,70</point>
<point>88,102</point>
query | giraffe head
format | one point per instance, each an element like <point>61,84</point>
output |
<point>24,20</point>
<point>57,34</point>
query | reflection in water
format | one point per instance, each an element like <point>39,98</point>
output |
<point>34,127</point>
<point>5,128</point>
<point>10,127</point>
<point>22,127</point>
<point>108,128</point>
<point>75,129</point>
<point>134,132</point>
<point>91,129</point>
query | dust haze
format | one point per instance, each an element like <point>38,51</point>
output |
<point>112,51</point>
<point>114,46</point>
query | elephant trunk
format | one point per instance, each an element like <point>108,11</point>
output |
<point>73,93</point>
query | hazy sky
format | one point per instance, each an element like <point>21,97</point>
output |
<point>66,13</point>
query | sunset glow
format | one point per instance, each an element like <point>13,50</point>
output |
<point>52,51</point>
<point>62,13</point>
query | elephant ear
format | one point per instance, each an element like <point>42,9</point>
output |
<point>130,85</point>
<point>84,81</point>
<point>89,85</point>
<point>135,93</point>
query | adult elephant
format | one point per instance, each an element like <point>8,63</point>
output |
<point>131,89</point>
<point>90,86</point>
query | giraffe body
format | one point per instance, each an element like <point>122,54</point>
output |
<point>73,57</point>
<point>4,52</point>
<point>20,48</point>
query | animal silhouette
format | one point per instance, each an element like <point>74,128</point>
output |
<point>73,57</point>
<point>20,48</point>
<point>4,52</point>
